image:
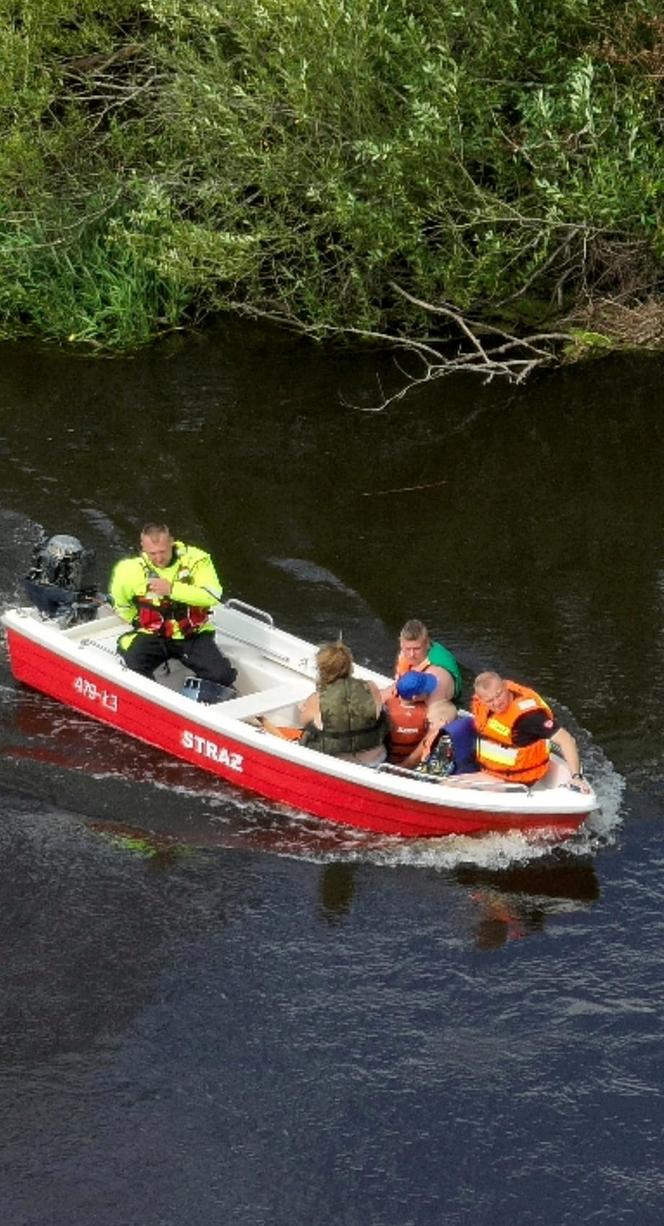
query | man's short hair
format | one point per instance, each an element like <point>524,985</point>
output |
<point>414,629</point>
<point>154,530</point>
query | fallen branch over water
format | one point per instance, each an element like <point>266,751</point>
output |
<point>486,350</point>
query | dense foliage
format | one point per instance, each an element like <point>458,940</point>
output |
<point>160,159</point>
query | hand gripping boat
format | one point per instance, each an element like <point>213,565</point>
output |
<point>78,665</point>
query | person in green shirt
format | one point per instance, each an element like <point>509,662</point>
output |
<point>417,651</point>
<point>167,593</point>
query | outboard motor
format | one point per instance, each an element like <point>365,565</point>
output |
<point>56,582</point>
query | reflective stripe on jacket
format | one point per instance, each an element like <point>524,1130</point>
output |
<point>495,750</point>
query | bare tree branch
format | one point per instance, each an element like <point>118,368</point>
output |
<point>498,353</point>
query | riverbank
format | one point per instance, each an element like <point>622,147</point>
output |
<point>344,168</point>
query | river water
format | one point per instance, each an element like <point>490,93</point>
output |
<point>218,1012</point>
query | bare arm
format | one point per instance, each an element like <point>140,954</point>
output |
<point>310,710</point>
<point>415,756</point>
<point>568,747</point>
<point>377,696</point>
<point>445,687</point>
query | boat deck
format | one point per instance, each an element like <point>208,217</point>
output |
<point>265,685</point>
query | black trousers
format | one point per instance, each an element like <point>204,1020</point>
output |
<point>199,653</point>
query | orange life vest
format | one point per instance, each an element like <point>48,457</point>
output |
<point>404,666</point>
<point>408,725</point>
<point>495,750</point>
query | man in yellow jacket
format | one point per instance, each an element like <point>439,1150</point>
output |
<point>166,593</point>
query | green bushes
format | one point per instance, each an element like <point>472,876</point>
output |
<point>166,158</point>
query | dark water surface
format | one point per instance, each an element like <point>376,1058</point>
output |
<point>219,1013</point>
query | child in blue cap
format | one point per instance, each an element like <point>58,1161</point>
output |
<point>448,748</point>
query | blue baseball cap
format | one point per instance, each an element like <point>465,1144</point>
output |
<point>416,685</point>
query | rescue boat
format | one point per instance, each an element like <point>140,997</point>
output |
<point>76,662</point>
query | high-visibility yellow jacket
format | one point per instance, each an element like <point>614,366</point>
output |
<point>195,589</point>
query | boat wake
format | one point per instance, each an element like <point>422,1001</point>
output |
<point>501,851</point>
<point>287,833</point>
<point>309,572</point>
<point>44,736</point>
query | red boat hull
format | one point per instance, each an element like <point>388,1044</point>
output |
<point>276,778</point>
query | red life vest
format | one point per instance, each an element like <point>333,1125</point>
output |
<point>162,618</point>
<point>408,725</point>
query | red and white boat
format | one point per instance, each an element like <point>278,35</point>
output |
<point>79,666</point>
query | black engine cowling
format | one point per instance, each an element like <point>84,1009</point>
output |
<point>57,580</point>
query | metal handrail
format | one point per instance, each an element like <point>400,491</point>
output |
<point>242,607</point>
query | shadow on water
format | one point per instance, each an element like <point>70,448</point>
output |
<point>510,903</point>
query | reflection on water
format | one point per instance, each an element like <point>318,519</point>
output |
<point>511,903</point>
<point>337,886</point>
<point>561,877</point>
<point>516,903</point>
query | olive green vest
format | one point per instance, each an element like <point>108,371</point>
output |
<point>348,715</point>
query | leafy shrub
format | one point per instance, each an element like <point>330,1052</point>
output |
<point>165,158</point>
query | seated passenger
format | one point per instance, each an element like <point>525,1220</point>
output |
<point>345,716</point>
<point>426,733</point>
<point>515,730</point>
<point>451,745</point>
<point>408,717</point>
<point>416,651</point>
<point>166,594</point>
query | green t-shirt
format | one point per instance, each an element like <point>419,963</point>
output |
<point>442,658</point>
